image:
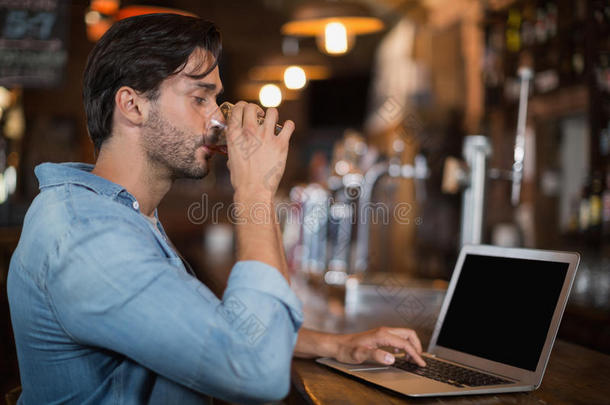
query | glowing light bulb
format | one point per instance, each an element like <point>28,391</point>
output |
<point>270,95</point>
<point>295,78</point>
<point>92,17</point>
<point>335,38</point>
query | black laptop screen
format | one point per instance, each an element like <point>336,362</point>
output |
<point>502,308</point>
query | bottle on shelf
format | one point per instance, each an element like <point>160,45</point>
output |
<point>513,30</point>
<point>584,210</point>
<point>606,208</point>
<point>595,206</point>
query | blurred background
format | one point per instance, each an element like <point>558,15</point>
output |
<point>420,125</point>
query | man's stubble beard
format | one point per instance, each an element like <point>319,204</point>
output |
<point>172,148</point>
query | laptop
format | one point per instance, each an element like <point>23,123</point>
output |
<point>495,330</point>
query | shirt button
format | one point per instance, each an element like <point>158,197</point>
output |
<point>136,205</point>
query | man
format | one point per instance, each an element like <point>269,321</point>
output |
<point>103,308</point>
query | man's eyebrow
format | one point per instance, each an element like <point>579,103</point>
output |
<point>209,86</point>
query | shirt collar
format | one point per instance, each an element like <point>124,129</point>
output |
<point>54,174</point>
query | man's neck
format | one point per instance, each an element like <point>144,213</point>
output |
<point>121,165</point>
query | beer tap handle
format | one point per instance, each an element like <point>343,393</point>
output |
<point>455,175</point>
<point>525,74</point>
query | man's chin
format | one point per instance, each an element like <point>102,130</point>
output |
<point>199,174</point>
<point>195,173</point>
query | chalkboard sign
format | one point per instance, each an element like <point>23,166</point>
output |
<point>33,42</point>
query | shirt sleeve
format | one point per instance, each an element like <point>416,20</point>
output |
<point>110,287</point>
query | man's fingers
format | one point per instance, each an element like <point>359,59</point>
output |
<point>270,120</point>
<point>408,334</point>
<point>397,341</point>
<point>362,354</point>
<point>381,356</point>
<point>237,114</point>
<point>251,114</point>
<point>287,130</point>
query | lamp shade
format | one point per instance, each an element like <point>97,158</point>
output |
<point>272,68</point>
<point>132,11</point>
<point>311,19</point>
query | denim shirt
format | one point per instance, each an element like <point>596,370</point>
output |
<point>104,311</point>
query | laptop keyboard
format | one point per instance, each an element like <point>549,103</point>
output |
<point>450,373</point>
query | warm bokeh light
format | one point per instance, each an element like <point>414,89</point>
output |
<point>107,7</point>
<point>132,11</point>
<point>270,95</point>
<point>295,78</point>
<point>97,30</point>
<point>5,97</point>
<point>335,38</point>
<point>92,17</point>
<point>103,13</point>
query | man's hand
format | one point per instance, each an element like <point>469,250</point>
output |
<point>257,157</point>
<point>357,348</point>
<point>365,346</point>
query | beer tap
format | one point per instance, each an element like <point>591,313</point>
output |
<point>470,175</point>
<point>345,185</point>
<point>392,168</point>
<point>314,229</point>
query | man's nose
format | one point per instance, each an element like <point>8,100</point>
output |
<point>217,115</point>
<point>217,125</point>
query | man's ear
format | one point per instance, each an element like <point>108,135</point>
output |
<point>131,106</point>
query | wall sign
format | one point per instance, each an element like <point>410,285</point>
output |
<point>33,42</point>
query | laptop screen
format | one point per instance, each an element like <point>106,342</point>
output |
<point>502,308</point>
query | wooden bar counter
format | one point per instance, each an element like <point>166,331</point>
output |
<point>574,375</point>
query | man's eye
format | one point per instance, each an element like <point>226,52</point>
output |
<point>199,100</point>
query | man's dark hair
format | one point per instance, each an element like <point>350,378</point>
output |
<point>141,52</point>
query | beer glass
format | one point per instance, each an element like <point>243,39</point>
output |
<point>217,131</point>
